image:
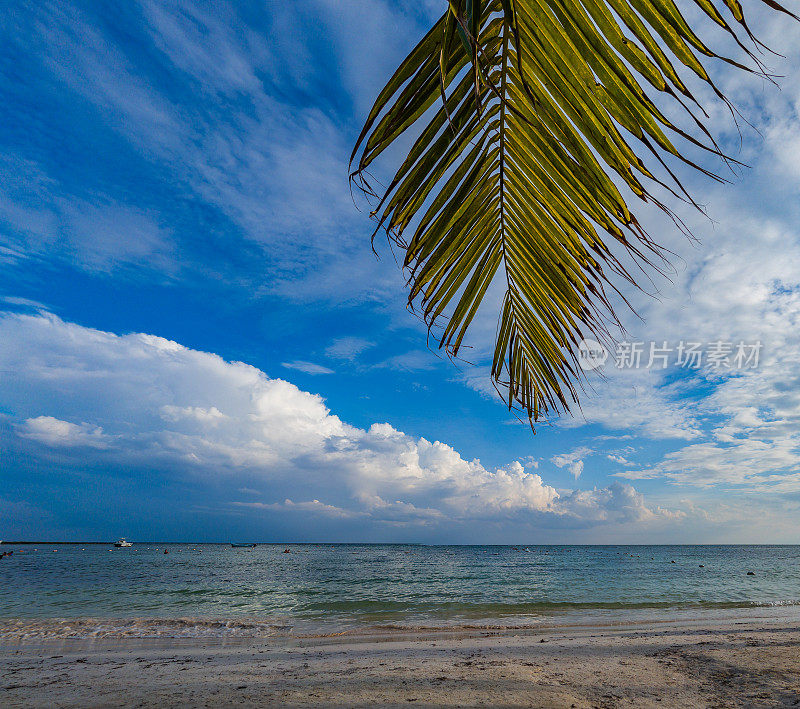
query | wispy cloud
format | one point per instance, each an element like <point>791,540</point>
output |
<point>413,361</point>
<point>256,148</point>
<point>307,367</point>
<point>311,506</point>
<point>348,348</point>
<point>42,219</point>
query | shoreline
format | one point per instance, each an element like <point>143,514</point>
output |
<point>739,662</point>
<point>93,628</point>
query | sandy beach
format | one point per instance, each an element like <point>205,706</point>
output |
<point>743,662</point>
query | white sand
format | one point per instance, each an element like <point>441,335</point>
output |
<point>750,663</point>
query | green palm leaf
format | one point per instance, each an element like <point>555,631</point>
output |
<point>531,115</point>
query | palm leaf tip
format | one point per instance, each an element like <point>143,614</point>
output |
<point>530,118</point>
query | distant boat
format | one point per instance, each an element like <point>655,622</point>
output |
<point>123,543</point>
<point>242,546</point>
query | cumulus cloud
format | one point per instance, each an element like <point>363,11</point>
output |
<point>54,432</point>
<point>572,461</point>
<point>144,400</point>
<point>198,413</point>
<point>618,501</point>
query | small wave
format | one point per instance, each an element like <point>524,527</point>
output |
<point>371,610</point>
<point>91,628</point>
<point>464,617</point>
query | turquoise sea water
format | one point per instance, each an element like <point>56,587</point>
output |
<point>326,587</point>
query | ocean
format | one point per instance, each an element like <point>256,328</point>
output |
<point>92,590</point>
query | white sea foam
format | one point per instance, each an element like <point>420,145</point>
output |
<point>89,628</point>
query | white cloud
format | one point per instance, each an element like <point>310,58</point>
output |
<point>307,367</point>
<point>572,461</point>
<point>621,502</point>
<point>766,465</point>
<point>54,432</point>
<point>197,413</point>
<point>42,219</point>
<point>348,348</point>
<point>166,406</point>
<point>414,361</point>
<point>313,506</point>
<point>745,424</point>
<point>617,458</point>
<point>253,148</point>
<point>24,303</point>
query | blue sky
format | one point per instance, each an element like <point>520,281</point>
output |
<point>196,341</point>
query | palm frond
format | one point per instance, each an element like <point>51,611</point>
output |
<point>529,114</point>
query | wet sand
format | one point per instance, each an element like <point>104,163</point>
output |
<point>749,663</point>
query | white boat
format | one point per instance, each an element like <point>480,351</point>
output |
<point>123,543</point>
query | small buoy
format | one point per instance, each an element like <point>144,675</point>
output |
<point>166,551</point>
